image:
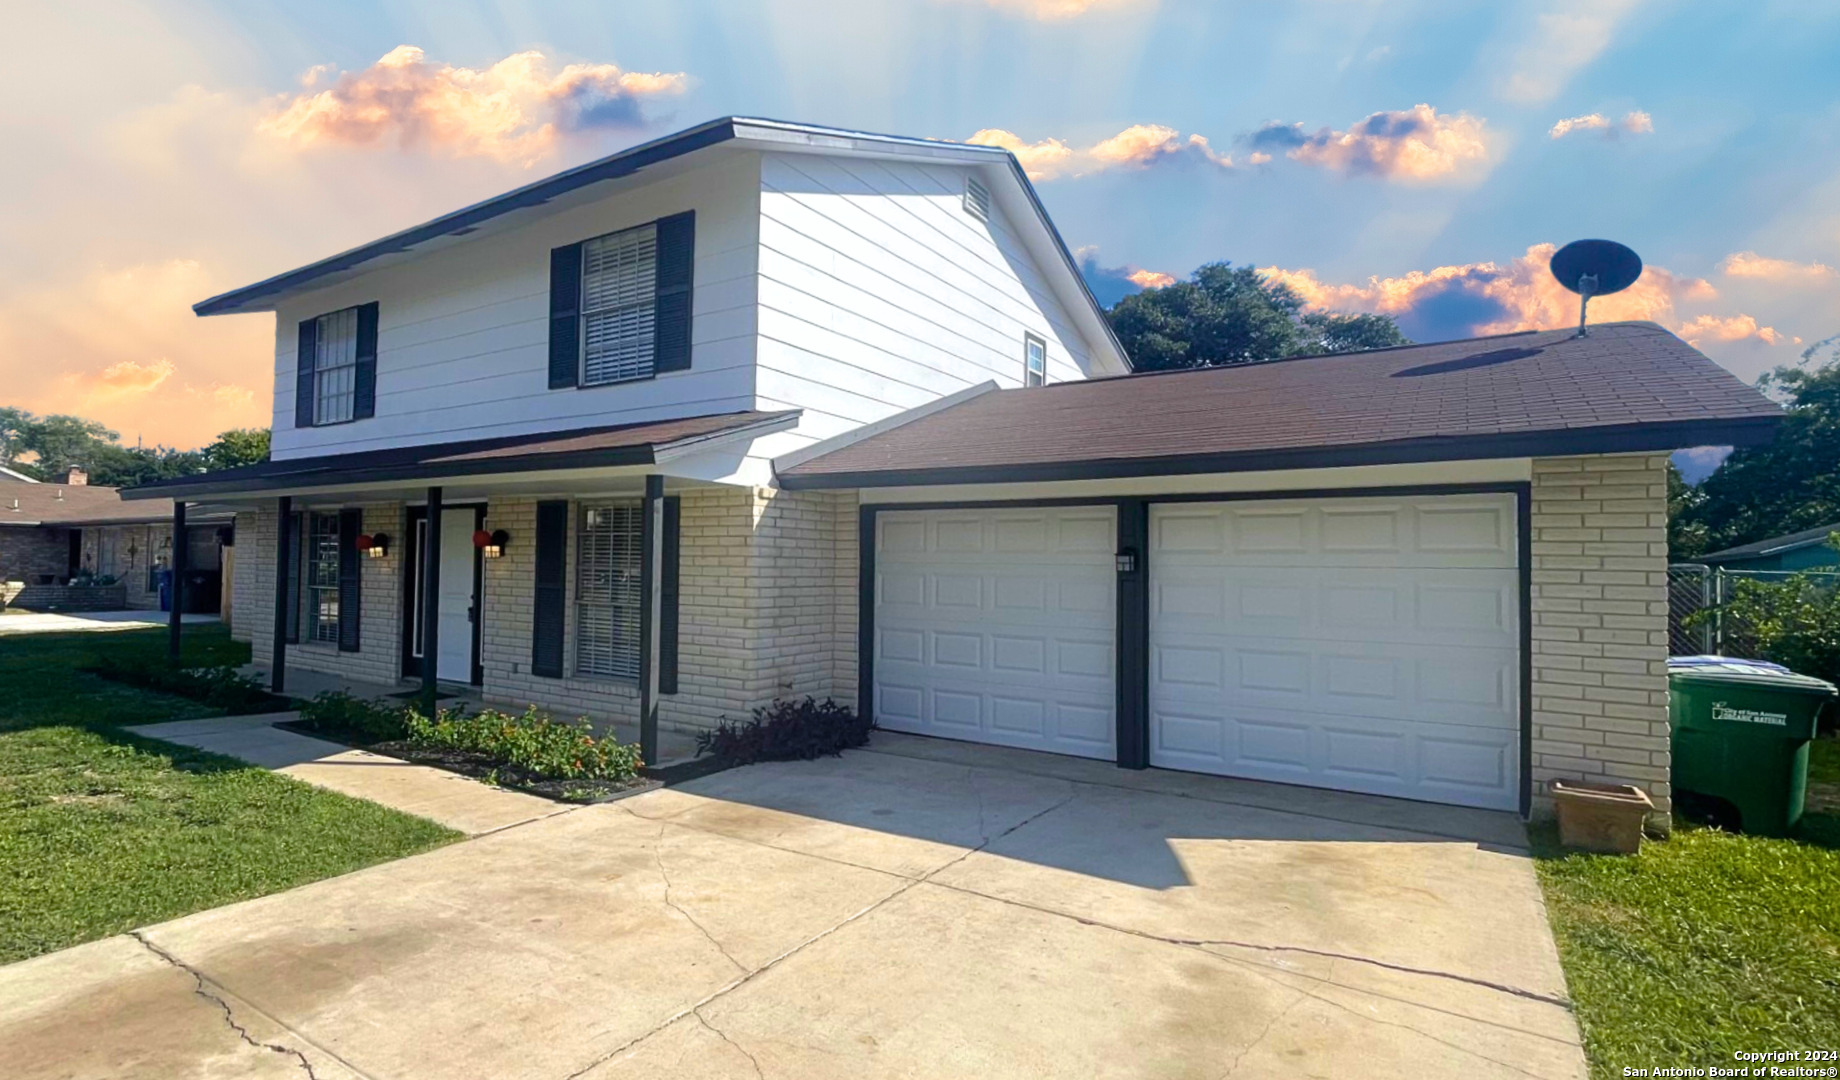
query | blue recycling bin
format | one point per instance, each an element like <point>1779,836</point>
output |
<point>166,590</point>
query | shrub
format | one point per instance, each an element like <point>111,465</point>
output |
<point>533,742</point>
<point>219,687</point>
<point>787,730</point>
<point>335,712</point>
<point>1794,622</point>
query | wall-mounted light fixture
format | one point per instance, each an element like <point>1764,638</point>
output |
<point>1126,561</point>
<point>492,544</point>
<point>373,545</point>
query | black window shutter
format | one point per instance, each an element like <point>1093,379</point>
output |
<point>551,606</point>
<point>365,378</point>
<point>351,522</point>
<point>667,582</point>
<point>293,526</point>
<point>671,306</point>
<point>303,372</point>
<point>564,316</point>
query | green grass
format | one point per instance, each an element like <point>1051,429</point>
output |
<point>101,831</point>
<point>1704,944</point>
<point>1824,760</point>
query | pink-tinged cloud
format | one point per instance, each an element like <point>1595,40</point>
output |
<point>1632,123</point>
<point>1138,146</point>
<point>1057,10</point>
<point>1749,264</point>
<point>1415,145</point>
<point>126,379</point>
<point>1150,279</point>
<point>513,111</point>
<point>1726,329</point>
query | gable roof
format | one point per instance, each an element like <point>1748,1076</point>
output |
<point>1001,168</point>
<point>1627,387</point>
<point>1775,545</point>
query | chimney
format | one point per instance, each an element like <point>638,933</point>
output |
<point>75,477</point>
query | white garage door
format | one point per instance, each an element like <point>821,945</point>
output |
<point>997,626</point>
<point>1365,644</point>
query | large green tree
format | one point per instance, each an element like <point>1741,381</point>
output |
<point>238,446</point>
<point>1789,485</point>
<point>45,446</point>
<point>1234,315</point>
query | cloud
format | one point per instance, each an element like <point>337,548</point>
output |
<point>513,111</point>
<point>1632,123</point>
<point>1563,41</point>
<point>1416,144</point>
<point>1138,146</point>
<point>1727,328</point>
<point>1057,10</point>
<point>1700,462</point>
<point>1749,264</point>
<point>127,378</point>
<point>1110,284</point>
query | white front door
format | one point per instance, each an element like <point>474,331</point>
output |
<point>997,626</point>
<point>457,602</point>
<point>1367,644</point>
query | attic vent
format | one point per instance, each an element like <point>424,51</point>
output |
<point>977,199</point>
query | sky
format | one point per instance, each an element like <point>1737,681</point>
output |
<point>1420,159</point>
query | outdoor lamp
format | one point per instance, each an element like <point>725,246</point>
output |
<point>491,544</point>
<point>373,545</point>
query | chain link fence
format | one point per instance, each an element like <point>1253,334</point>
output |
<point>1694,587</point>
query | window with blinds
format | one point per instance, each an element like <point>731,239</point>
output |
<point>322,578</point>
<point>335,367</point>
<point>608,591</point>
<point>619,282</point>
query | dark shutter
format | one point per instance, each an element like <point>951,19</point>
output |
<point>564,316</point>
<point>351,522</point>
<point>667,582</point>
<point>671,308</point>
<point>304,354</point>
<point>365,378</point>
<point>551,607</point>
<point>293,527</point>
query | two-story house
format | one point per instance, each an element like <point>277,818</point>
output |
<point>761,410</point>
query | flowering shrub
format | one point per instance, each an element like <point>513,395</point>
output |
<point>338,714</point>
<point>787,731</point>
<point>532,742</point>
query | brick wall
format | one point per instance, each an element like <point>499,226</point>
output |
<point>1599,610</point>
<point>379,657</point>
<point>31,553</point>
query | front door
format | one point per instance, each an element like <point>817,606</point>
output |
<point>458,605</point>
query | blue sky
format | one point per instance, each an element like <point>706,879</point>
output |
<point>176,149</point>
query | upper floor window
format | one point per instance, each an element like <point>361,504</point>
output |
<point>335,367</point>
<point>619,281</point>
<point>1034,361</point>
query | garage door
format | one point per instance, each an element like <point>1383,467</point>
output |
<point>997,626</point>
<point>1365,644</point>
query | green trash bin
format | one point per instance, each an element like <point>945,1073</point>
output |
<point>1741,734</point>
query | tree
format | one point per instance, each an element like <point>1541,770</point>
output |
<point>57,442</point>
<point>1791,484</point>
<point>1686,536</point>
<point>238,446</point>
<point>1233,315</point>
<point>14,425</point>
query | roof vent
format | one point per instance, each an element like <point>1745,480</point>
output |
<point>977,199</point>
<point>1595,268</point>
<point>15,505</point>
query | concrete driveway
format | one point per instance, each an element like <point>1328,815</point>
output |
<point>48,622</point>
<point>924,909</point>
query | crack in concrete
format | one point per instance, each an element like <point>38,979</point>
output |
<point>723,1035</point>
<point>200,988</point>
<point>1264,1032</point>
<point>658,855</point>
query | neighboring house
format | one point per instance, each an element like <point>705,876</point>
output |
<point>763,410</point>
<point>52,533</point>
<point>1805,550</point>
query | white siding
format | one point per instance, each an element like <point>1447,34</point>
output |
<point>878,292</point>
<point>463,332</point>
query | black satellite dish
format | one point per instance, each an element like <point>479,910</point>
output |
<point>1595,268</point>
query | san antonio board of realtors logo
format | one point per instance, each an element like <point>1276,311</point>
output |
<point>1722,711</point>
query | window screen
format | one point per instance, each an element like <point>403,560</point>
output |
<point>335,367</point>
<point>619,279</point>
<point>608,591</point>
<point>322,578</point>
<point>1034,361</point>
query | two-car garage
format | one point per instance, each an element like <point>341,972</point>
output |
<point>1370,643</point>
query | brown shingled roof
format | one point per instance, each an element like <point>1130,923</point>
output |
<point>62,505</point>
<point>1627,387</point>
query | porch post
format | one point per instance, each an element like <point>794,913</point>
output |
<point>177,591</point>
<point>431,601</point>
<point>277,667</point>
<point>651,614</point>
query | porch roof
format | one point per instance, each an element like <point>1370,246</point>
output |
<point>578,448</point>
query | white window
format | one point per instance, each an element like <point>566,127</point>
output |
<point>335,367</point>
<point>1034,361</point>
<point>619,279</point>
<point>977,199</point>
<point>608,591</point>
<point>322,578</point>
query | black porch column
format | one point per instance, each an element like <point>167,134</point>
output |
<point>651,614</point>
<point>177,589</point>
<point>431,601</point>
<point>277,667</point>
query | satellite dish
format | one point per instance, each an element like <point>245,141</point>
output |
<point>1595,268</point>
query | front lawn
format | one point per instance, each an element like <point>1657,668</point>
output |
<point>101,831</point>
<point>1704,944</point>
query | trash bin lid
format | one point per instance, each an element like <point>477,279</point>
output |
<point>1732,669</point>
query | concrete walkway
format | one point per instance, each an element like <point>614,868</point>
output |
<point>923,909</point>
<point>35,622</point>
<point>455,801</point>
